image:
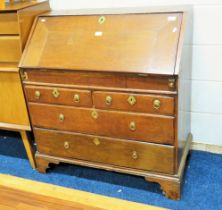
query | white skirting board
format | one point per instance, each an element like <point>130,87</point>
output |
<point>206,147</point>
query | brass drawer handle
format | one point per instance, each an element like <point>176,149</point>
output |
<point>61,117</point>
<point>37,94</point>
<point>156,104</point>
<point>55,93</point>
<point>94,114</point>
<point>102,20</point>
<point>96,141</point>
<point>131,100</point>
<point>76,98</point>
<point>134,155</point>
<point>132,126</point>
<point>108,100</point>
<point>66,145</point>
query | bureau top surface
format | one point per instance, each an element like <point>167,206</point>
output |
<point>133,43</point>
<point>9,7</point>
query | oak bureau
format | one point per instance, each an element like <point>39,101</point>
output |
<point>15,23</point>
<point>111,90</point>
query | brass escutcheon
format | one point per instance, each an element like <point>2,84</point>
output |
<point>96,141</point>
<point>61,117</point>
<point>94,114</point>
<point>76,98</point>
<point>131,100</point>
<point>66,145</point>
<point>102,20</point>
<point>37,94</point>
<point>132,126</point>
<point>134,155</point>
<point>55,92</point>
<point>156,104</point>
<point>108,100</point>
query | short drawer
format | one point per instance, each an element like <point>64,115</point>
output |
<point>142,127</point>
<point>96,80</point>
<point>132,154</point>
<point>10,50</point>
<point>8,24</point>
<point>134,102</point>
<point>63,96</point>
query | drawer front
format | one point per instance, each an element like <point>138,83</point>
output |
<point>8,23</point>
<point>137,155</point>
<point>63,96</point>
<point>10,49</point>
<point>100,80</point>
<point>151,128</point>
<point>134,102</point>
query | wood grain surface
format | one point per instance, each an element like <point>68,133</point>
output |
<point>151,128</point>
<point>126,153</point>
<point>138,43</point>
<point>87,80</point>
<point>143,103</point>
<point>8,23</point>
<point>65,97</point>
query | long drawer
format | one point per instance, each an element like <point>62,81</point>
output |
<point>144,127</point>
<point>62,96</point>
<point>134,102</point>
<point>100,80</point>
<point>8,23</point>
<point>132,154</point>
<point>10,49</point>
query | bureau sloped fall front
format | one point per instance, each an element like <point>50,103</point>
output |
<point>111,91</point>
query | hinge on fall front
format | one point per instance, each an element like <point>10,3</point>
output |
<point>171,83</point>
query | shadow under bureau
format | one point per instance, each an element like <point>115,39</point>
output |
<point>111,91</point>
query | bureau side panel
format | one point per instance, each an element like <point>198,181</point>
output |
<point>184,85</point>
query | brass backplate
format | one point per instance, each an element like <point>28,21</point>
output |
<point>37,94</point>
<point>156,104</point>
<point>109,100</point>
<point>76,98</point>
<point>134,155</point>
<point>132,126</point>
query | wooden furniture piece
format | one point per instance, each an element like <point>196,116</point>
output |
<point>112,91</point>
<point>15,24</point>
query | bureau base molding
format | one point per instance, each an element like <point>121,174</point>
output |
<point>170,184</point>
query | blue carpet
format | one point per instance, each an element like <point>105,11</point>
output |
<point>202,188</point>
